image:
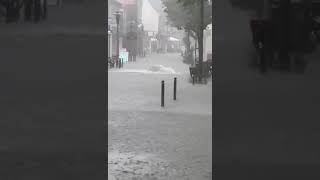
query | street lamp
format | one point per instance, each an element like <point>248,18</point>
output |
<point>132,36</point>
<point>201,39</point>
<point>118,14</point>
<point>109,30</point>
<point>141,39</point>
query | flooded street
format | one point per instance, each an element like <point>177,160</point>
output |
<point>146,141</point>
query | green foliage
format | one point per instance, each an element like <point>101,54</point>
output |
<point>176,14</point>
<point>186,14</point>
<point>189,2</point>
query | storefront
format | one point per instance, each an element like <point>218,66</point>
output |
<point>173,45</point>
<point>153,45</point>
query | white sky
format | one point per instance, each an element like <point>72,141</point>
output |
<point>150,17</point>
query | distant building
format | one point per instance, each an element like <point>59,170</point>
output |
<point>113,7</point>
<point>162,35</point>
<point>167,32</point>
<point>207,44</point>
<point>150,17</point>
<point>133,26</point>
<point>150,21</point>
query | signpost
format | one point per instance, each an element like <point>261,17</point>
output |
<point>124,55</point>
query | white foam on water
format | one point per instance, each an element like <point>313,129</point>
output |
<point>156,69</point>
<point>161,68</point>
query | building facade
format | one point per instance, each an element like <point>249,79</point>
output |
<point>113,7</point>
<point>150,21</point>
<point>207,43</point>
<point>167,32</point>
<point>134,29</point>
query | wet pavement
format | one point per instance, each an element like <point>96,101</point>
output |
<point>146,141</point>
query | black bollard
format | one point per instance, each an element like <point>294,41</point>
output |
<point>122,62</point>
<point>175,89</point>
<point>162,93</point>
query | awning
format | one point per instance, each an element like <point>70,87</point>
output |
<point>173,39</point>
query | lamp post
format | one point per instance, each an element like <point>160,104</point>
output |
<point>109,37</point>
<point>142,43</point>
<point>201,39</point>
<point>132,37</point>
<point>117,14</point>
<point>141,38</point>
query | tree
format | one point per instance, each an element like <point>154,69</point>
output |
<point>199,16</point>
<point>186,14</point>
<point>177,18</point>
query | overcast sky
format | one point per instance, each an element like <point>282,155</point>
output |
<point>156,4</point>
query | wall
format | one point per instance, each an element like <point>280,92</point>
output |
<point>114,6</point>
<point>207,42</point>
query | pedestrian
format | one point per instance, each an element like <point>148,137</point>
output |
<point>144,52</point>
